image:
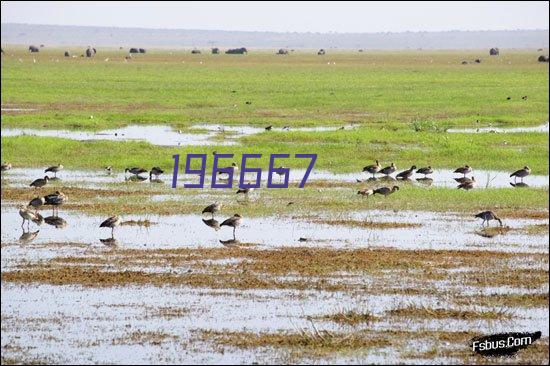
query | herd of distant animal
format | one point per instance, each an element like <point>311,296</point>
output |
<point>29,212</point>
<point>91,51</point>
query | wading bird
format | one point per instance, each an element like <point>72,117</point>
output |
<point>40,182</point>
<point>212,209</point>
<point>29,215</point>
<point>385,191</point>
<point>406,174</point>
<point>372,169</point>
<point>463,170</point>
<point>234,221</point>
<point>488,216</point>
<point>55,200</point>
<point>37,202</point>
<point>54,169</point>
<point>109,169</point>
<point>111,222</point>
<point>522,173</point>
<point>426,170</point>
<point>156,171</point>
<point>245,191</point>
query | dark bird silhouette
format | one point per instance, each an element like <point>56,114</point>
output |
<point>234,222</point>
<point>388,170</point>
<point>463,170</point>
<point>268,128</point>
<point>54,169</point>
<point>385,191</point>
<point>40,182</point>
<point>406,174</point>
<point>55,200</point>
<point>212,209</point>
<point>426,170</point>
<point>37,202</point>
<point>135,170</point>
<point>156,171</point>
<point>111,222</point>
<point>488,216</point>
<point>522,173</point>
<point>372,169</point>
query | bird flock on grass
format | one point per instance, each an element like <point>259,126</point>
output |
<point>29,213</point>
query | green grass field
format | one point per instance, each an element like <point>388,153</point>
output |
<point>401,103</point>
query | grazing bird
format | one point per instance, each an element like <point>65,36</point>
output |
<point>234,221</point>
<point>467,185</point>
<point>286,128</point>
<point>388,170</point>
<point>55,199</point>
<point>111,222</point>
<point>522,173</point>
<point>385,191</point>
<point>365,192</point>
<point>37,202</point>
<point>406,174</point>
<point>29,215</point>
<point>488,216</point>
<point>524,97</point>
<point>426,170</point>
<point>6,166</point>
<point>372,169</point>
<point>40,182</point>
<point>109,169</point>
<point>156,171</point>
<point>212,209</point>
<point>465,180</point>
<point>54,169</point>
<point>135,170</point>
<point>463,170</point>
<point>269,128</point>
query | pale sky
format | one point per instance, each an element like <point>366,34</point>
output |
<point>280,16</point>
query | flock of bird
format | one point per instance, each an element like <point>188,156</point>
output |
<point>30,212</point>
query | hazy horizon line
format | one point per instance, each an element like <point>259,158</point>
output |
<point>280,32</point>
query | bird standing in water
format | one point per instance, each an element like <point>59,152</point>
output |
<point>212,209</point>
<point>54,169</point>
<point>234,221</point>
<point>522,173</point>
<point>488,216</point>
<point>111,222</point>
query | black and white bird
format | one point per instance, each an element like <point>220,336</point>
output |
<point>37,202</point>
<point>135,170</point>
<point>522,173</point>
<point>388,170</point>
<point>55,200</point>
<point>6,166</point>
<point>54,169</point>
<point>156,171</point>
<point>111,222</point>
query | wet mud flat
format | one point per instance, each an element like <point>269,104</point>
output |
<point>250,304</point>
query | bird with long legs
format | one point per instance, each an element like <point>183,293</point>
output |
<point>212,209</point>
<point>29,215</point>
<point>54,169</point>
<point>111,223</point>
<point>234,221</point>
<point>488,216</point>
<point>55,200</point>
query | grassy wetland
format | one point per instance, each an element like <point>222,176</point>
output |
<point>319,274</point>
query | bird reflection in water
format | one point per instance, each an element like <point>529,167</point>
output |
<point>28,236</point>
<point>519,185</point>
<point>214,224</point>
<point>230,242</point>
<point>426,181</point>
<point>110,242</point>
<point>135,178</point>
<point>56,221</point>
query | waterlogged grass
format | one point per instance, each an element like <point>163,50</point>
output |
<point>533,202</point>
<point>414,311</point>
<point>338,151</point>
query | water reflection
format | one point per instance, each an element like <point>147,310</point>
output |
<point>230,242</point>
<point>56,221</point>
<point>425,181</point>
<point>135,178</point>
<point>214,224</point>
<point>519,185</point>
<point>110,242</point>
<point>28,236</point>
